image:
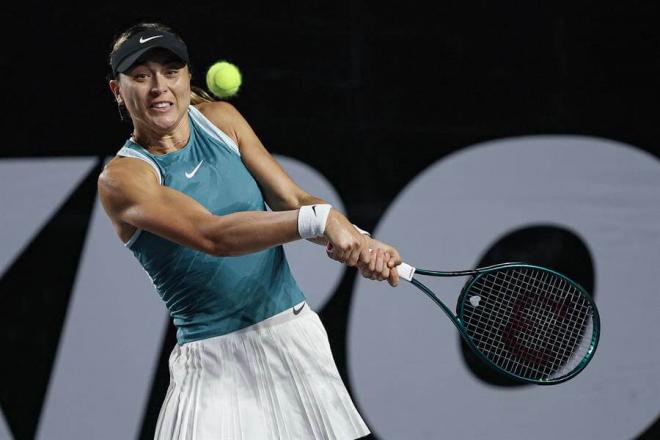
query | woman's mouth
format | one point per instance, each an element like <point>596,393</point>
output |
<point>161,106</point>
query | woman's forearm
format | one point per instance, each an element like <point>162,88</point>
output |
<point>251,231</point>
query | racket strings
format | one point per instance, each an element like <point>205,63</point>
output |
<point>528,322</point>
<point>529,344</point>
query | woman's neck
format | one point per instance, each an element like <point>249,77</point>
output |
<point>162,143</point>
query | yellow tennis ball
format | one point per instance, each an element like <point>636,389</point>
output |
<point>223,79</point>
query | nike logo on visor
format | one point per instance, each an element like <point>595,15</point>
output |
<point>144,40</point>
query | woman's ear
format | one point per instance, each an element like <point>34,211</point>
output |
<point>114,88</point>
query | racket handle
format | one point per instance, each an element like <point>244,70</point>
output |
<point>405,271</point>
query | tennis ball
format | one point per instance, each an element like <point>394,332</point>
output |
<point>223,79</point>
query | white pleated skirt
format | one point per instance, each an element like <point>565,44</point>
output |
<point>276,379</point>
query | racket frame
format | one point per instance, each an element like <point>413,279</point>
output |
<point>458,322</point>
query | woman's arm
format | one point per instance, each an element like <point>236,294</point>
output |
<point>131,194</point>
<point>280,191</point>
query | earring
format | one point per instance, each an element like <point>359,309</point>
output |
<point>121,115</point>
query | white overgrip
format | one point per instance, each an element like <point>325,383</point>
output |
<point>405,271</point>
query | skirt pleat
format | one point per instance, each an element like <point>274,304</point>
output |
<point>194,397</point>
<point>274,380</point>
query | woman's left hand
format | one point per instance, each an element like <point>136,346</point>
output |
<point>383,262</point>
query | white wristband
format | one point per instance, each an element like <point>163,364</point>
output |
<point>312,220</point>
<point>362,231</point>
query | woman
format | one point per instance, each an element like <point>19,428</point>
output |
<point>186,194</point>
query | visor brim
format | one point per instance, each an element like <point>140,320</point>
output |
<point>130,60</point>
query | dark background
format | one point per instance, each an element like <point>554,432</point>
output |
<point>366,92</point>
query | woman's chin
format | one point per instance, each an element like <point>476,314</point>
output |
<point>164,122</point>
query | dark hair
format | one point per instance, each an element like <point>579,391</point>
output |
<point>197,95</point>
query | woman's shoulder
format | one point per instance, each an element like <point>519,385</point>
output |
<point>122,170</point>
<point>224,116</point>
<point>217,109</point>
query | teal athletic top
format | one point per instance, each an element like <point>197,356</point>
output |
<point>207,295</point>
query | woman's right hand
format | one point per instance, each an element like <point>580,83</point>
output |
<point>345,243</point>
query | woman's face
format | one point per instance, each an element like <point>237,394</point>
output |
<point>155,90</point>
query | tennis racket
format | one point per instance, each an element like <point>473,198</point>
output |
<point>527,322</point>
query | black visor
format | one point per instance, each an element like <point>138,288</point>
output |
<point>138,44</point>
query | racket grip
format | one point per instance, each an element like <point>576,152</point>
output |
<point>405,271</point>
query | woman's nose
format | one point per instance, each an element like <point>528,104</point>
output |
<point>158,84</point>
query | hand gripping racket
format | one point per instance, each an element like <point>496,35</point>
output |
<point>527,322</point>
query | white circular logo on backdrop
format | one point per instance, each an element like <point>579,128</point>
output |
<point>405,366</point>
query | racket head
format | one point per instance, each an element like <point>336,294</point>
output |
<point>530,323</point>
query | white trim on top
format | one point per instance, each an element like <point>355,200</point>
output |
<point>134,237</point>
<point>212,130</point>
<point>127,152</point>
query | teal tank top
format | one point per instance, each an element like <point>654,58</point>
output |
<point>207,295</point>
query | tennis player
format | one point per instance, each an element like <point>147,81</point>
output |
<point>186,193</point>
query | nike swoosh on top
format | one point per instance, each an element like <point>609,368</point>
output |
<point>144,40</point>
<point>295,312</point>
<point>189,175</point>
<point>314,209</point>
